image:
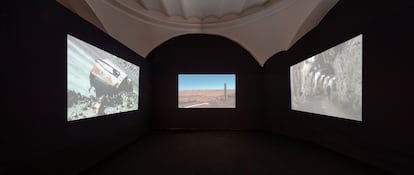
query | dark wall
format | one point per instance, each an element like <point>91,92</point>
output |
<point>384,137</point>
<point>205,54</point>
<point>35,137</point>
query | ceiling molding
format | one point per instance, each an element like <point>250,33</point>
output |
<point>202,10</point>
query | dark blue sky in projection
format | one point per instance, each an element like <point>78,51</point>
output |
<point>206,81</point>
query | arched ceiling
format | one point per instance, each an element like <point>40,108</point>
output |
<point>263,27</point>
<point>202,11</point>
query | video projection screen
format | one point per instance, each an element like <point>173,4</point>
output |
<point>330,83</point>
<point>98,83</point>
<point>206,90</point>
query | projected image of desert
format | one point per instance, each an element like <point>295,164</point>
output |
<point>330,83</point>
<point>206,91</point>
<point>98,83</point>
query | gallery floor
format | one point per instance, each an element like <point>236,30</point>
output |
<point>226,152</point>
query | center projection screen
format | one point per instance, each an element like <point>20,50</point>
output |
<point>98,83</point>
<point>206,90</point>
<point>330,83</point>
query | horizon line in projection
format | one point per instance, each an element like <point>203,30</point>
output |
<point>330,83</point>
<point>206,90</point>
<point>98,83</point>
<point>205,81</point>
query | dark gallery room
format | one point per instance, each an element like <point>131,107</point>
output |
<point>207,87</point>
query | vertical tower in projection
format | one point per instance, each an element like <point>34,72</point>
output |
<point>225,91</point>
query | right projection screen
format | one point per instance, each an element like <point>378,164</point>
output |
<point>330,83</point>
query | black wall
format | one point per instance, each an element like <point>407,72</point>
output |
<point>384,137</point>
<point>35,136</point>
<point>198,53</point>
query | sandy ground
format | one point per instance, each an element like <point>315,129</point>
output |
<point>206,99</point>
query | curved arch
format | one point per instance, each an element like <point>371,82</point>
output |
<point>204,54</point>
<point>276,27</point>
<point>177,37</point>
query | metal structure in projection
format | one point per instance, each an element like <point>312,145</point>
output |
<point>330,83</point>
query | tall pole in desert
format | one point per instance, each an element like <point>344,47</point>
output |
<point>225,91</point>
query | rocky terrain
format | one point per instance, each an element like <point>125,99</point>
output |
<point>334,76</point>
<point>80,107</point>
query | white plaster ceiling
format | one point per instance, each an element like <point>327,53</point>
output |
<point>263,27</point>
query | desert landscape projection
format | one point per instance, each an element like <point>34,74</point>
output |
<point>330,83</point>
<point>98,83</point>
<point>206,91</point>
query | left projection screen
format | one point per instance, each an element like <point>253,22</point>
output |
<point>98,83</point>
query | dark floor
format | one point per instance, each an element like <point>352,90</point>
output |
<point>226,152</point>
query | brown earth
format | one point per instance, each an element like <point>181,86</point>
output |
<point>206,99</point>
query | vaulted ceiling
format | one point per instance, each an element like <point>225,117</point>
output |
<point>263,27</point>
